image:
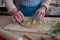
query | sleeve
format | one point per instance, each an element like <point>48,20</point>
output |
<point>46,3</point>
<point>10,5</point>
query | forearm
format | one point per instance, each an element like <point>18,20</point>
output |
<point>46,3</point>
<point>10,5</point>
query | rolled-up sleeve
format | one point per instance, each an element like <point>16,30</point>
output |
<point>10,5</point>
<point>46,3</point>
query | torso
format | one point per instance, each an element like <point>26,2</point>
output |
<point>30,3</point>
<point>28,7</point>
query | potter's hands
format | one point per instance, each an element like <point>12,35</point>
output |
<point>17,16</point>
<point>40,13</point>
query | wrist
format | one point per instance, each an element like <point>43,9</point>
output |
<point>13,11</point>
<point>44,7</point>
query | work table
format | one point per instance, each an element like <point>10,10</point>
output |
<point>5,20</point>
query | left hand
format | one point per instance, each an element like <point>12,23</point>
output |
<point>40,12</point>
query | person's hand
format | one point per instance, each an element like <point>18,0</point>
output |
<point>17,16</point>
<point>40,13</point>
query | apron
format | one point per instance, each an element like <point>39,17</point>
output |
<point>28,9</point>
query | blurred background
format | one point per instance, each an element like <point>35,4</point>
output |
<point>54,8</point>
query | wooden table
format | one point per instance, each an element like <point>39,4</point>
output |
<point>4,20</point>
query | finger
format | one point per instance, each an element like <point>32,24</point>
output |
<point>19,16</point>
<point>36,14</point>
<point>39,14</point>
<point>43,14</point>
<point>17,19</point>
<point>13,19</point>
<point>22,16</point>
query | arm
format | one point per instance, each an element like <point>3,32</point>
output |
<point>46,3</point>
<point>42,10</point>
<point>17,16</point>
<point>10,5</point>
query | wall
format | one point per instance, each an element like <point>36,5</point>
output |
<point>55,8</point>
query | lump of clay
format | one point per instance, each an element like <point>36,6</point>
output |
<point>32,22</point>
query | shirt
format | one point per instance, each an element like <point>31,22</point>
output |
<point>10,5</point>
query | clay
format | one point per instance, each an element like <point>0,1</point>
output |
<point>32,22</point>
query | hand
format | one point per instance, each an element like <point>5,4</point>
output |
<point>17,16</point>
<point>40,13</point>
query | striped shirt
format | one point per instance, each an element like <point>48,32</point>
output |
<point>29,3</point>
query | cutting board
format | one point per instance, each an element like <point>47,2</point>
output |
<point>38,29</point>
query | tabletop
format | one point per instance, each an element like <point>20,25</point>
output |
<point>4,20</point>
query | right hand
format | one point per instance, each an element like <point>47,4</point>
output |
<point>17,16</point>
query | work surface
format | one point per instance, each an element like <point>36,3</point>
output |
<point>5,20</point>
